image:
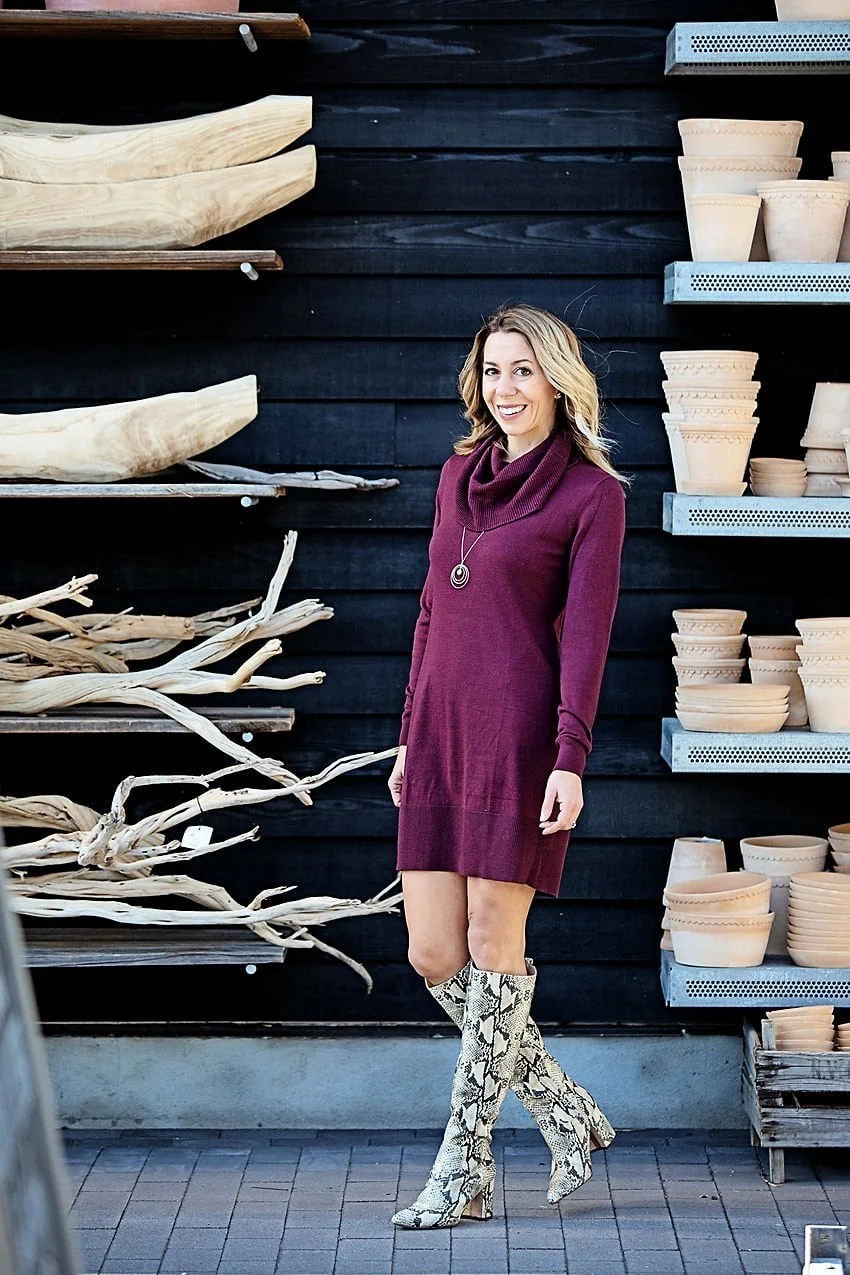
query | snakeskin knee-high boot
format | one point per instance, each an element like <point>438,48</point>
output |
<point>569,1119</point>
<point>460,1183</point>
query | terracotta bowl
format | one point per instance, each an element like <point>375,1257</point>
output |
<point>812,958</point>
<point>718,723</point>
<point>697,647</point>
<point>826,460</point>
<point>822,881</point>
<point>698,487</point>
<point>778,462</point>
<point>765,487</point>
<point>783,855</point>
<point>717,621</point>
<point>802,1012</point>
<point>839,836</point>
<point>690,671</point>
<point>782,647</point>
<point>813,1046</point>
<point>843,869</point>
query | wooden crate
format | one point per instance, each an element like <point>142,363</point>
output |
<point>793,1099</point>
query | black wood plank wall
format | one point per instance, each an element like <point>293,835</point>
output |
<point>469,154</point>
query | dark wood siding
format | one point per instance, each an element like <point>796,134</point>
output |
<point>469,154</point>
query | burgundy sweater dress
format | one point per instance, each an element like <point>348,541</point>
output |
<point>505,672</point>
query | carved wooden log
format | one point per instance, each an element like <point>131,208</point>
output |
<point>218,140</point>
<point>124,440</point>
<point>158,212</point>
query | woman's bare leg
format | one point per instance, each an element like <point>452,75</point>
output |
<point>435,910</point>
<point>497,912</point>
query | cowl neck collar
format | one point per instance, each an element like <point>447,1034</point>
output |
<point>492,490</point>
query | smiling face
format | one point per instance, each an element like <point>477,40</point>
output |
<point>515,390</point>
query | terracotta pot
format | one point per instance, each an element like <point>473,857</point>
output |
<point>712,451</point>
<point>147,6</point>
<point>717,621</point>
<point>813,10</point>
<point>730,942</point>
<point>733,174</point>
<point>728,411</point>
<point>842,858</point>
<point>804,220</point>
<point>747,892</point>
<point>787,673</point>
<point>824,661</point>
<point>704,367</point>
<point>828,700</point>
<point>698,647</point>
<point>722,227</point>
<point>826,460</point>
<point>739,393</point>
<point>690,671</point>
<point>691,857</point>
<point>781,856</point>
<point>824,485</point>
<point>844,245</point>
<point>825,633</point>
<point>783,647</point>
<point>740,137</point>
<point>841,165</point>
<point>829,414</point>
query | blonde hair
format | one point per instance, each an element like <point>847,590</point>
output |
<point>558,352</point>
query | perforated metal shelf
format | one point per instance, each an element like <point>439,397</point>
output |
<point>795,751</point>
<point>767,48</point>
<point>775,984</point>
<point>811,517</point>
<point>757,283</point>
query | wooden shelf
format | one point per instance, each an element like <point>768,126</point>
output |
<point>66,24</point>
<point>776,983</point>
<point>811,517</point>
<point>248,261</point>
<point>753,48</point>
<point>756,283</point>
<point>124,720</point>
<point>788,751</point>
<point>248,493</point>
<point>70,947</point>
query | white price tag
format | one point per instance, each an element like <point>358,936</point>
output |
<point>196,836</point>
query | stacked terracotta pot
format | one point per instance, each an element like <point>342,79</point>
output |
<point>711,396</point>
<point>720,920</point>
<point>810,1029</point>
<point>777,476</point>
<point>824,655</point>
<point>692,857</point>
<point>819,920</point>
<point>708,646</point>
<point>774,659</point>
<point>723,165</point>
<point>779,857</point>
<point>804,220</point>
<point>839,840</point>
<point>826,440</point>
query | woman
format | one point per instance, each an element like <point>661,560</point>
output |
<point>507,662</point>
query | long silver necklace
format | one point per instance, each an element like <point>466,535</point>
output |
<point>460,573</point>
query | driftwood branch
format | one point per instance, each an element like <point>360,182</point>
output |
<point>326,479</point>
<point>111,859</point>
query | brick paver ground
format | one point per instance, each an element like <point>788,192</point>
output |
<point>273,1202</point>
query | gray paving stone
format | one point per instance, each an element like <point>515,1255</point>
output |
<point>612,1267</point>
<point>650,1262</point>
<point>254,1267</point>
<point>415,1261</point>
<point>99,1208</point>
<point>537,1259</point>
<point>771,1263</point>
<point>93,1244</point>
<point>523,1236</point>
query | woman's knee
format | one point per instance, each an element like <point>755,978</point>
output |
<point>436,962</point>
<point>492,950</point>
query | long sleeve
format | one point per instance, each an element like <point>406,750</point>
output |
<point>588,614</point>
<point>420,633</point>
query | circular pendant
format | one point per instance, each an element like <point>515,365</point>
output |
<point>460,575</point>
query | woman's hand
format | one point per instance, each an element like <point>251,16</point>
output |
<point>566,787</point>
<point>394,781</point>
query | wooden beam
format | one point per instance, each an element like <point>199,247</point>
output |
<point>160,491</point>
<point>156,26</point>
<point>70,947</point>
<point>142,259</point>
<point>129,720</point>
